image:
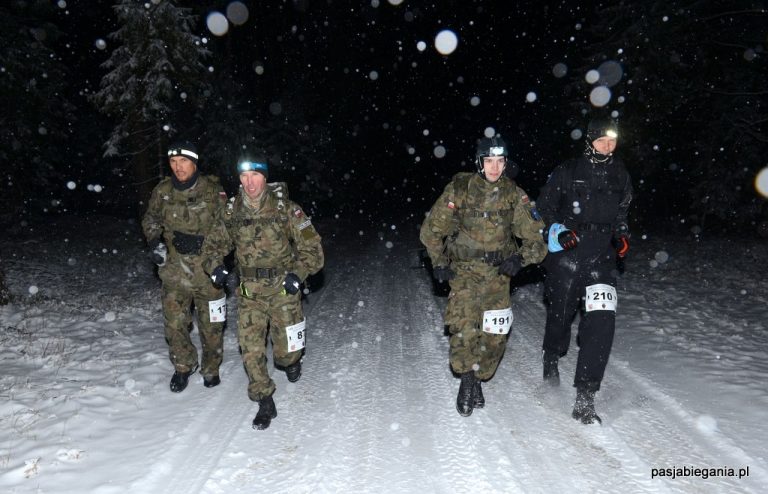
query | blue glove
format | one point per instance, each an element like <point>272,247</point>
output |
<point>560,238</point>
<point>291,284</point>
<point>219,276</point>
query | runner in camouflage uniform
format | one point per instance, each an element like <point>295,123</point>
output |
<point>470,238</point>
<point>276,248</point>
<point>181,210</point>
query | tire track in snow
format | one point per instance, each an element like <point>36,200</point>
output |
<point>516,402</point>
<point>375,408</point>
<point>363,354</point>
<point>643,427</point>
<point>215,417</point>
<point>461,460</point>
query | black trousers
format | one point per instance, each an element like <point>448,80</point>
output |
<point>567,276</point>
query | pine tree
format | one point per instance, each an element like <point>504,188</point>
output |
<point>154,86</point>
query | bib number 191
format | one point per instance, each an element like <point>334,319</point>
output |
<point>498,321</point>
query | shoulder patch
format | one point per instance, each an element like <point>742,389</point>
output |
<point>451,205</point>
<point>223,196</point>
<point>304,224</point>
<point>525,199</point>
<point>298,213</point>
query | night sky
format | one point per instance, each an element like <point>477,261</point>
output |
<point>401,118</point>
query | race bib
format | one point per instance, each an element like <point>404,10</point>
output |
<point>295,334</point>
<point>498,321</point>
<point>217,310</point>
<point>600,297</point>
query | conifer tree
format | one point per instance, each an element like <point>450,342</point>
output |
<point>154,85</point>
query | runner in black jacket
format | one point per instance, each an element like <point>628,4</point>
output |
<point>584,205</point>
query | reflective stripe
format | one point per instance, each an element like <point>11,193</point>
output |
<point>182,152</point>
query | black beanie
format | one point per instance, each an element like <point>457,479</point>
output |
<point>183,148</point>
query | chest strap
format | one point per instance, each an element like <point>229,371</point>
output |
<point>595,227</point>
<point>492,258</point>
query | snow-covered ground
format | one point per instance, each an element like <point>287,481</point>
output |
<point>86,407</point>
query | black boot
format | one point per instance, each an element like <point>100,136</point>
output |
<point>212,381</point>
<point>466,398</point>
<point>479,398</point>
<point>584,408</point>
<point>266,413</point>
<point>179,380</point>
<point>293,371</point>
<point>551,373</point>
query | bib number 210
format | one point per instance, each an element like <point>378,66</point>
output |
<point>600,297</point>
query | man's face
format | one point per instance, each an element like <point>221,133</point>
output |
<point>183,168</point>
<point>253,183</point>
<point>493,166</point>
<point>604,145</point>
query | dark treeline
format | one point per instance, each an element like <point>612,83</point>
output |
<point>351,111</point>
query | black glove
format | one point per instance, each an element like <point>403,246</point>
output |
<point>187,244</point>
<point>621,244</point>
<point>511,265</point>
<point>158,252</point>
<point>291,284</point>
<point>219,276</point>
<point>443,273</point>
<point>567,239</point>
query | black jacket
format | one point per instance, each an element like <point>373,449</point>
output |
<point>589,198</point>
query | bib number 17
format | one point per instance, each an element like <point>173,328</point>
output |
<point>217,310</point>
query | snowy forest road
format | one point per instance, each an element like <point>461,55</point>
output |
<point>375,408</point>
<point>87,408</point>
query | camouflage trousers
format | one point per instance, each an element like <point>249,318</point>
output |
<point>265,311</point>
<point>476,288</point>
<point>182,290</point>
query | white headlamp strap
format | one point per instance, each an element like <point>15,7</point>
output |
<point>182,152</point>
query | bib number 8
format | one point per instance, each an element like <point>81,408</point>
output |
<point>295,334</point>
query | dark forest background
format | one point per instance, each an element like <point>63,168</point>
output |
<point>355,117</point>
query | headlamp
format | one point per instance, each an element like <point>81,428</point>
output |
<point>251,166</point>
<point>182,152</point>
<point>496,150</point>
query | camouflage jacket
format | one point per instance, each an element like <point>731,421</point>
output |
<point>475,220</point>
<point>192,211</point>
<point>276,234</point>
